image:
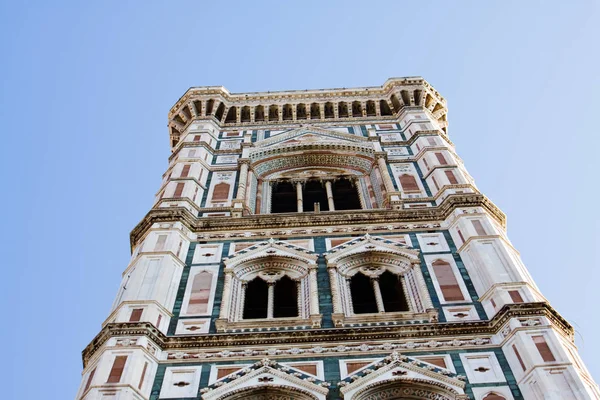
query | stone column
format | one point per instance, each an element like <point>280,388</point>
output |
<point>349,297</point>
<point>271,300</point>
<point>361,195</point>
<point>241,193</point>
<point>299,196</point>
<point>335,290</point>
<point>385,175</point>
<point>242,301</point>
<point>329,196</point>
<point>314,292</point>
<point>226,302</point>
<point>378,298</point>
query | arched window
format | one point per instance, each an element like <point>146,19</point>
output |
<point>220,192</point>
<point>220,111</point>
<point>301,111</point>
<point>392,292</point>
<point>371,108</point>
<point>209,107</point>
<point>315,111</point>
<point>231,114</point>
<point>447,281</point>
<point>287,112</point>
<point>363,296</point>
<point>273,113</point>
<point>329,110</point>
<point>356,109</point>
<point>285,302</point>
<point>385,108</point>
<point>409,183</point>
<point>245,117</point>
<point>494,396</point>
<point>343,109</point>
<point>259,113</point>
<point>257,299</point>
<point>198,302</point>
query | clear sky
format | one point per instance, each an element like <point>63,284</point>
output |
<point>85,88</point>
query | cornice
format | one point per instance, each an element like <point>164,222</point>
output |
<point>299,220</point>
<point>330,335</point>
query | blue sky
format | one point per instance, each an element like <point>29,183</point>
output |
<point>86,87</point>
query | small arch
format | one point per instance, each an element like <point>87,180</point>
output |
<point>315,111</point>
<point>371,112</point>
<point>356,109</point>
<point>392,292</point>
<point>301,111</point>
<point>231,114</point>
<point>256,299</point>
<point>245,117</point>
<point>494,396</point>
<point>220,111</point>
<point>363,296</point>
<point>343,109</point>
<point>273,113</point>
<point>287,112</point>
<point>285,302</point>
<point>259,113</point>
<point>329,110</point>
<point>209,107</point>
<point>395,103</point>
<point>314,192</point>
<point>384,107</point>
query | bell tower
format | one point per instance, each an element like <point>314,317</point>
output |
<point>326,244</point>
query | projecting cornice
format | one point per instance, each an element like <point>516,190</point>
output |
<point>359,221</point>
<point>439,335</point>
<point>235,110</point>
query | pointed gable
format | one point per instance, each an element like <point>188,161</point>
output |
<point>361,247</point>
<point>267,374</point>
<point>396,370</point>
<point>310,134</point>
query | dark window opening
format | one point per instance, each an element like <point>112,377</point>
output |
<point>209,107</point>
<point>300,111</point>
<point>314,192</point>
<point>256,299</point>
<point>283,198</point>
<point>285,303</point>
<point>245,117</point>
<point>345,195</point>
<point>392,292</point>
<point>231,115</point>
<point>363,296</point>
<point>259,113</point>
<point>220,111</point>
<point>385,108</point>
<point>371,112</point>
<point>342,110</point>
<point>315,111</point>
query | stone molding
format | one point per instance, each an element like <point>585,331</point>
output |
<point>415,333</point>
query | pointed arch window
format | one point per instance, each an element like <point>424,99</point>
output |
<point>272,281</point>
<point>447,281</point>
<point>368,279</point>
<point>200,295</point>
